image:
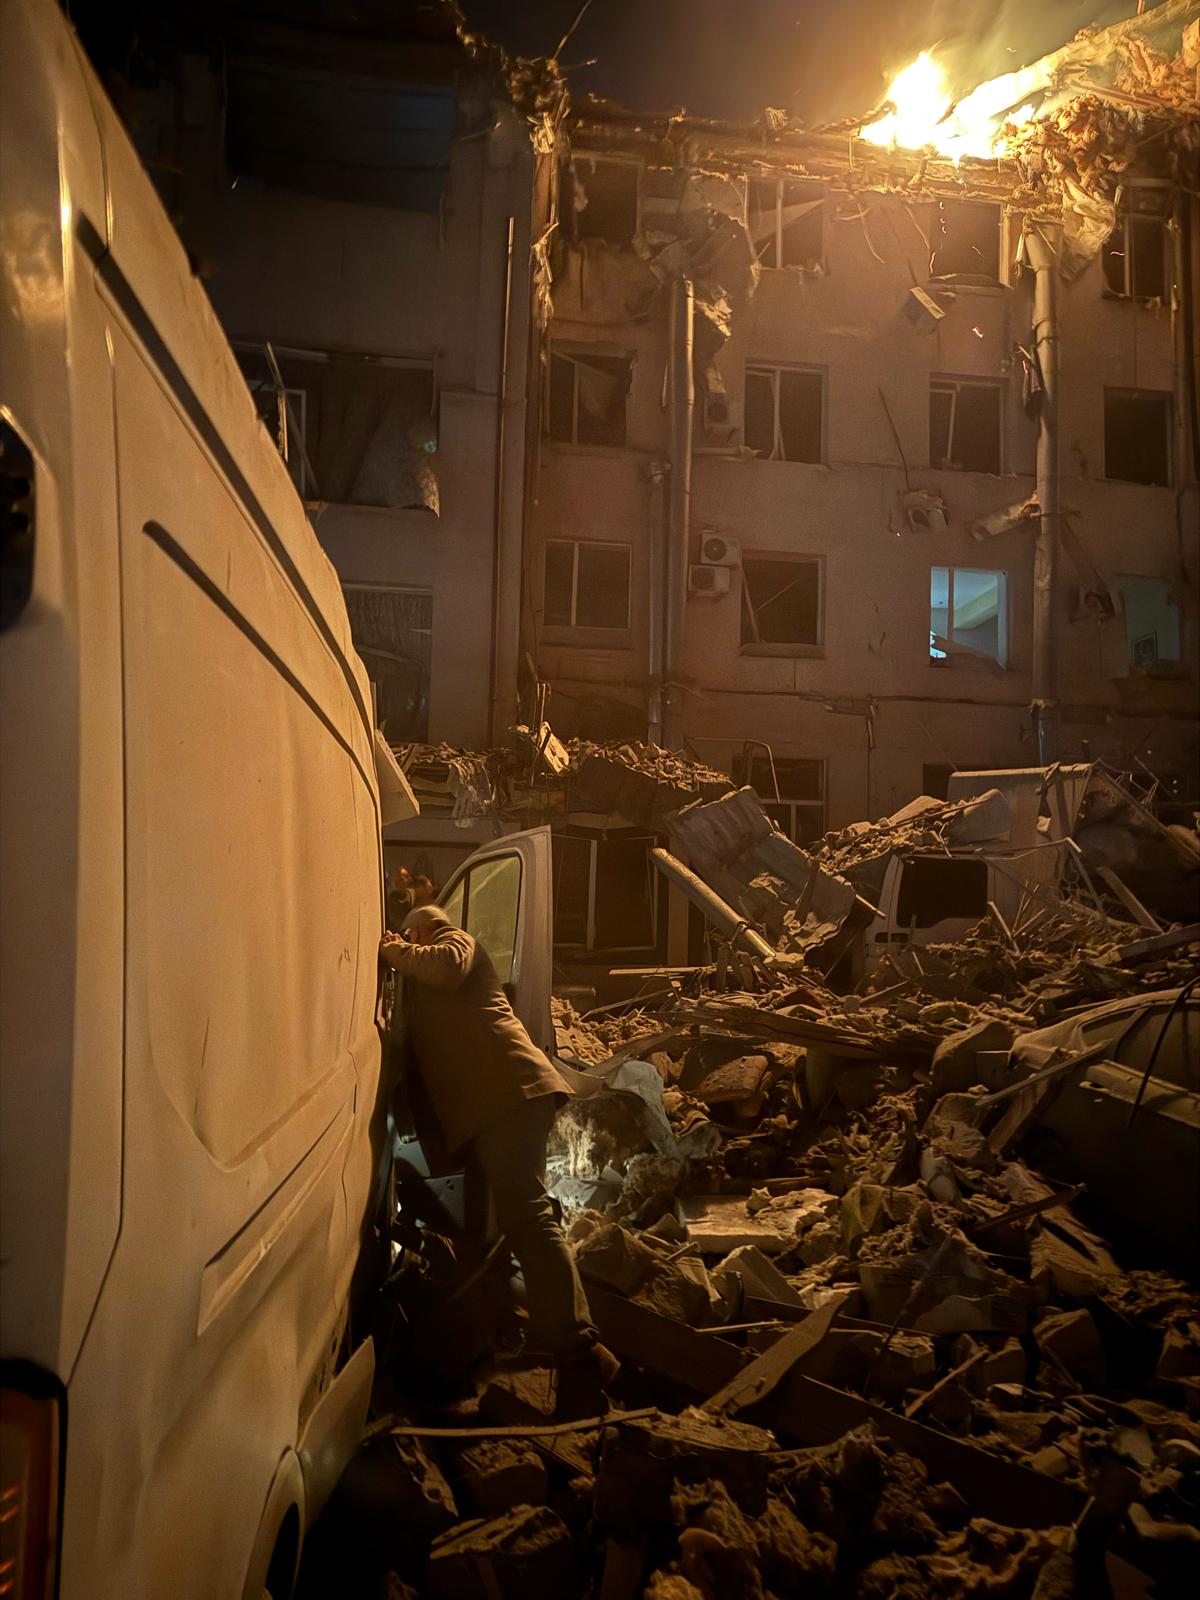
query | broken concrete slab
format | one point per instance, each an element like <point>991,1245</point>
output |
<point>526,1554</point>
<point>721,1223</point>
<point>758,1274</point>
<point>615,1258</point>
<point>497,1474</point>
<point>1071,1341</point>
<point>643,1462</point>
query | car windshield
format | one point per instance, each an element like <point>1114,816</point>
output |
<point>1133,1035</point>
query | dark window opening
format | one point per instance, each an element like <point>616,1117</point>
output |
<point>933,889</point>
<point>352,431</point>
<point>787,223</point>
<point>935,779</point>
<point>964,240</point>
<point>586,585</point>
<point>964,425</point>
<point>604,891</point>
<point>392,631</point>
<point>586,401</point>
<point>1137,436</point>
<point>1134,258</point>
<point>781,601</point>
<point>341,137</point>
<point>799,812</point>
<point>605,198</point>
<point>783,416</point>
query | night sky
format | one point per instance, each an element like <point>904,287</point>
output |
<point>730,58</point>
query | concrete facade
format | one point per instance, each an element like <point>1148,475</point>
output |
<point>442,289</point>
<point>867,700</point>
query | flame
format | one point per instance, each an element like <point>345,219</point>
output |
<point>925,115</point>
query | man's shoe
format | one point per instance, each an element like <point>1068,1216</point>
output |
<point>583,1377</point>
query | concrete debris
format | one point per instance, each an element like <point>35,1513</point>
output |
<point>868,1204</point>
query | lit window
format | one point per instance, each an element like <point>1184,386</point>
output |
<point>787,222</point>
<point>1151,620</point>
<point>781,603</point>
<point>784,413</point>
<point>1137,436</point>
<point>967,615</point>
<point>586,585</point>
<point>964,424</point>
<point>586,402</point>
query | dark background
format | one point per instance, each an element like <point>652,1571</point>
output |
<point>818,59</point>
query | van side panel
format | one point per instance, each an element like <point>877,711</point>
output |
<point>243,941</point>
<point>61,802</point>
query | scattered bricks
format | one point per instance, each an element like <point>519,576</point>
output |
<point>759,1275</point>
<point>1070,1341</point>
<point>616,1260</point>
<point>526,1554</point>
<point>1180,1356</point>
<point>675,1294</point>
<point>497,1475</point>
<point>956,1066</point>
<point>643,1462</point>
<point>820,1243</point>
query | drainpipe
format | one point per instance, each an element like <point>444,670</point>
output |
<point>495,717</point>
<point>1042,243</point>
<point>656,591</point>
<point>679,497</point>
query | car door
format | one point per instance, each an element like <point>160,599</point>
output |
<point>503,896</point>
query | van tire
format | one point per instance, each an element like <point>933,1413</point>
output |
<point>285,1558</point>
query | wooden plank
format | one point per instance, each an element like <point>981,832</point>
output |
<point>1143,949</point>
<point>814,1413</point>
<point>1129,900</point>
<point>767,1371</point>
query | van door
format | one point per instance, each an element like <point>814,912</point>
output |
<point>503,896</point>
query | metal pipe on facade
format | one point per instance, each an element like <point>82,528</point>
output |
<point>1042,246</point>
<point>655,594</point>
<point>679,498</point>
<point>717,911</point>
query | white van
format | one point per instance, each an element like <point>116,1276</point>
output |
<point>191,897</point>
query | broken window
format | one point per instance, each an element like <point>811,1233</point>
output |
<point>964,424</point>
<point>392,631</point>
<point>1134,256</point>
<point>604,197</point>
<point>799,812</point>
<point>781,602</point>
<point>934,888</point>
<point>787,222</point>
<point>354,430</point>
<point>1151,620</point>
<point>586,400</point>
<point>604,890</point>
<point>586,585</point>
<point>964,240</point>
<point>784,413</point>
<point>968,614</point>
<point>1137,436</point>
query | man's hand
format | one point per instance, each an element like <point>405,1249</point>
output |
<point>389,945</point>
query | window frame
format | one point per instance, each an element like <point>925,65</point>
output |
<point>575,354</point>
<point>1166,399</point>
<point>574,625</point>
<point>775,369</point>
<point>1158,666</point>
<point>596,159</point>
<point>780,182</point>
<point>939,382</point>
<point>791,803</point>
<point>962,654</point>
<point>797,649</point>
<point>591,841</point>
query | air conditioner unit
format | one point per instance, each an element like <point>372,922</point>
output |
<point>718,551</point>
<point>708,580</point>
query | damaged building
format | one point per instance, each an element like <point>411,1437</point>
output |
<point>882,460</point>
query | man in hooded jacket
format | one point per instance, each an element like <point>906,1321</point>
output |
<point>495,1094</point>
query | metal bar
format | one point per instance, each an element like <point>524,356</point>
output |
<point>1043,254</point>
<point>717,911</point>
